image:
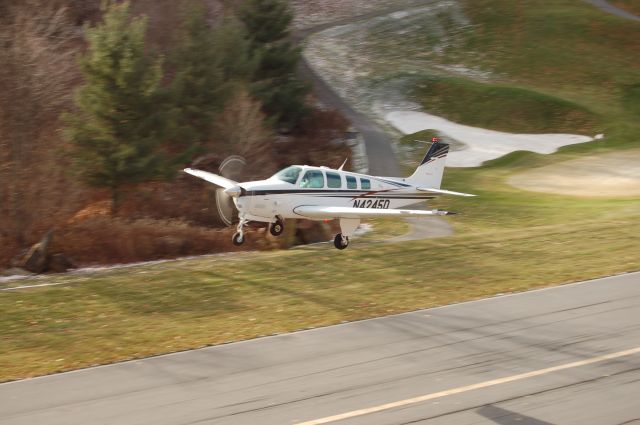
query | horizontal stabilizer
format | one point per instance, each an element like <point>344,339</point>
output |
<point>212,178</point>
<point>443,192</point>
<point>319,212</point>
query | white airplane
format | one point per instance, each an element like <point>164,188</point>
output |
<point>322,193</point>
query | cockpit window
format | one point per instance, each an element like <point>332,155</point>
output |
<point>289,174</point>
<point>312,179</point>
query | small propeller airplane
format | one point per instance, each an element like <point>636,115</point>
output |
<point>322,193</point>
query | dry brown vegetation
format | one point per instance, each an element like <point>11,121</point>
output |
<point>105,240</point>
<point>38,70</point>
<point>39,45</point>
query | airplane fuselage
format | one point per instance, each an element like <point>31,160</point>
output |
<point>322,193</point>
<point>265,199</point>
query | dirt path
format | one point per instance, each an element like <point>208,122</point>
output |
<point>479,144</point>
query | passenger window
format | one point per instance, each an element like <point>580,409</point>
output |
<point>334,180</point>
<point>313,179</point>
<point>352,183</point>
<point>365,184</point>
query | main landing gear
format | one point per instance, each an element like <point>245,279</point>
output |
<point>276,228</point>
<point>340,241</point>
<point>348,227</point>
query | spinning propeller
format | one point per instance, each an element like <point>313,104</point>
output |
<point>231,168</point>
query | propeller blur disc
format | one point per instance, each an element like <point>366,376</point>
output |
<point>231,168</point>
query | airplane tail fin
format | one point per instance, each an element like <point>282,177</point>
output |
<point>429,172</point>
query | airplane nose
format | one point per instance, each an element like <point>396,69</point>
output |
<point>234,191</point>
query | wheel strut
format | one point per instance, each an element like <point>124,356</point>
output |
<point>238,237</point>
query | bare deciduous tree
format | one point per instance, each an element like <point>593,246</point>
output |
<point>36,75</point>
<point>241,127</point>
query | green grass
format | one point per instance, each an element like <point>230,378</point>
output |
<point>141,311</point>
<point>631,100</point>
<point>568,46</point>
<point>502,108</point>
<point>553,63</point>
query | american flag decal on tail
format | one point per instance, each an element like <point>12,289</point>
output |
<point>437,150</point>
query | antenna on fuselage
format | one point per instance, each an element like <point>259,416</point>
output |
<point>343,164</point>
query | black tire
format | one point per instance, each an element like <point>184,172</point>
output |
<point>238,239</point>
<point>339,243</point>
<point>276,228</point>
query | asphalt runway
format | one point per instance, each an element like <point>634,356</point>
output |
<point>566,355</point>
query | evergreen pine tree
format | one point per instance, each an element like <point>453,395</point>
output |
<point>117,130</point>
<point>208,64</point>
<point>276,83</point>
<point>234,49</point>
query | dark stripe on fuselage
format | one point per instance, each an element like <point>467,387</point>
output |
<point>394,183</point>
<point>354,192</point>
<point>325,192</point>
<point>297,191</point>
<point>343,193</point>
<point>376,197</point>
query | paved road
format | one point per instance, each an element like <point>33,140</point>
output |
<point>609,8</point>
<point>533,358</point>
<point>382,160</point>
<point>381,157</point>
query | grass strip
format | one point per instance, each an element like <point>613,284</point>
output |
<point>146,310</point>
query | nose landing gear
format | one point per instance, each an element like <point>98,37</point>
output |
<point>275,229</point>
<point>238,237</point>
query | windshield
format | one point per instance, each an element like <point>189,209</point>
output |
<point>289,175</point>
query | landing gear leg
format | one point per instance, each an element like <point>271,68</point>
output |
<point>238,237</point>
<point>347,226</point>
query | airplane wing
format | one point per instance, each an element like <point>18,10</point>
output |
<point>443,192</point>
<point>211,178</point>
<point>319,212</point>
